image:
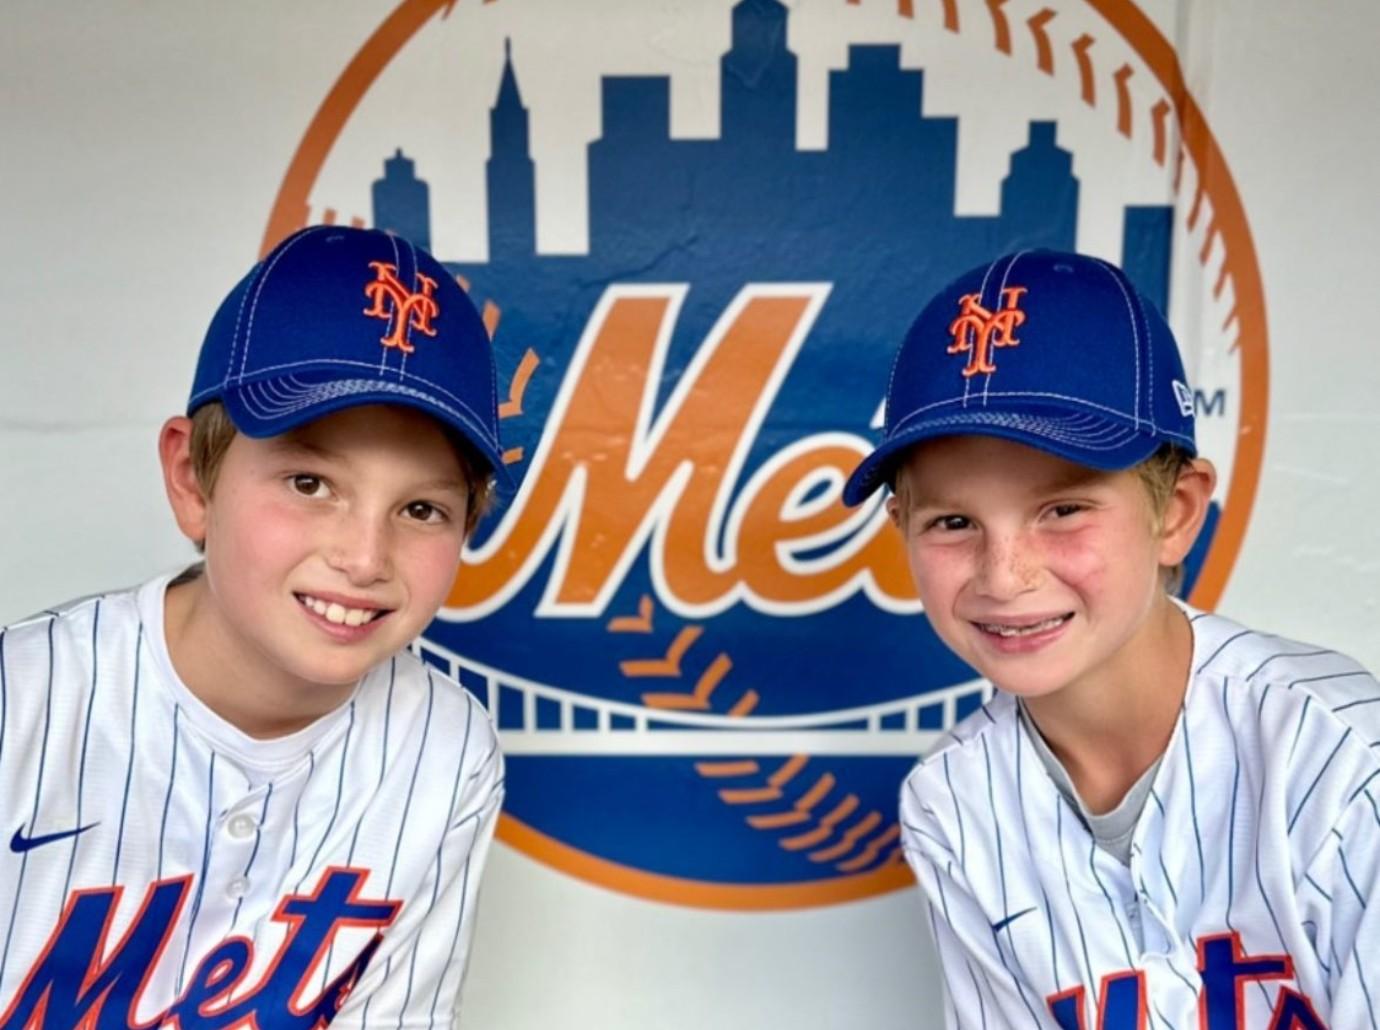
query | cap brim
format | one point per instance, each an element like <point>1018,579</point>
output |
<point>1082,438</point>
<point>268,407</point>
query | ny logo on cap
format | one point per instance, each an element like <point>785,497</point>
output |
<point>976,330</point>
<point>417,308</point>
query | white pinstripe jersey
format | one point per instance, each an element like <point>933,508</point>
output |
<point>166,869</point>
<point>1253,865</point>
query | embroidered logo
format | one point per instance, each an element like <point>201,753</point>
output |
<point>1184,396</point>
<point>976,331</point>
<point>20,843</point>
<point>418,309</point>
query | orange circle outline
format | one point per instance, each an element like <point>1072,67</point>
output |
<point>290,211</point>
<point>676,890</point>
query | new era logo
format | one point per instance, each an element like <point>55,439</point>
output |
<point>1184,395</point>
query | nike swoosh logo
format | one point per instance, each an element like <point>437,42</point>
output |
<point>20,843</point>
<point>998,927</point>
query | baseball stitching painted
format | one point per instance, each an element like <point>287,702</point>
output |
<point>707,674</point>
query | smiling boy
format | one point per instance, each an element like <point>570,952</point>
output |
<point>237,799</point>
<point>1162,819</point>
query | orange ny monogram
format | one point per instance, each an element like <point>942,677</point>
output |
<point>419,308</point>
<point>976,330</point>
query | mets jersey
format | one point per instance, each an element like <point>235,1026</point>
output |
<point>160,868</point>
<point>1252,897</point>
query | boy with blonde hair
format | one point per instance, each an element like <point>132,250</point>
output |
<point>236,798</point>
<point>1162,819</point>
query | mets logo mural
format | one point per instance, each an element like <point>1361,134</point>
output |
<point>709,676</point>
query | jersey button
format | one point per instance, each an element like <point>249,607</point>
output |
<point>237,888</point>
<point>241,826</point>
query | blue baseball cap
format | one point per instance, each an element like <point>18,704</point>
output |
<point>1054,350</point>
<point>335,317</point>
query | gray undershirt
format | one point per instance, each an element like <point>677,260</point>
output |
<point>1112,830</point>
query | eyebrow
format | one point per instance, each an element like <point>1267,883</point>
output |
<point>444,483</point>
<point>288,444</point>
<point>1076,478</point>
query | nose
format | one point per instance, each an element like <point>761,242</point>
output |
<point>361,548</point>
<point>1007,566</point>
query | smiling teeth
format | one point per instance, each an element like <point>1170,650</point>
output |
<point>1003,630</point>
<point>338,613</point>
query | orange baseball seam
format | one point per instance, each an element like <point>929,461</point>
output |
<point>1081,46</point>
<point>1209,234</point>
<point>782,776</point>
<point>799,811</point>
<point>639,623</point>
<point>1001,28</point>
<point>778,820</point>
<point>1196,208</point>
<point>1125,122</point>
<point>668,665</point>
<point>698,699</point>
<point>1044,53</point>
<point>871,851</point>
<point>746,767</point>
<point>1159,121</point>
<point>950,13</point>
<point>492,313</point>
<point>827,822</point>
<point>1123,99</point>
<point>330,215</point>
<point>518,387</point>
<point>905,8</point>
<point>748,795</point>
<point>849,840</point>
<point>788,770</point>
<point>1221,283</point>
<point>745,704</point>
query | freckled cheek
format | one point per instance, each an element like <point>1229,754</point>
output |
<point>1075,559</point>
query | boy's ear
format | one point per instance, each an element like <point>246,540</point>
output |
<point>179,478</point>
<point>1186,510</point>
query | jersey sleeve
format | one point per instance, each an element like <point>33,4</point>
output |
<point>1339,897</point>
<point>982,988</point>
<point>414,979</point>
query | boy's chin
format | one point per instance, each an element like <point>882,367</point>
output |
<point>335,672</point>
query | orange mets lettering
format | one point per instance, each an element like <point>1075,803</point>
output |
<point>418,308</point>
<point>608,478</point>
<point>976,330</point>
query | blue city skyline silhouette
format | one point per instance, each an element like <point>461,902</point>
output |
<point>872,214</point>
